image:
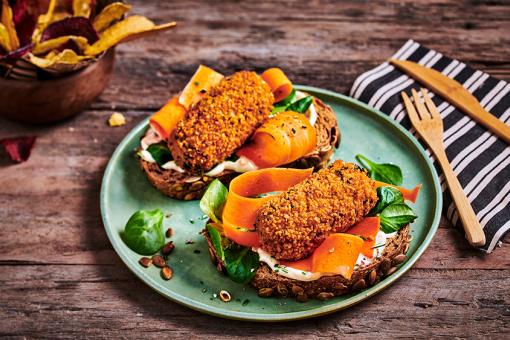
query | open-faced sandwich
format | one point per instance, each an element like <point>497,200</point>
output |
<point>219,127</point>
<point>291,232</point>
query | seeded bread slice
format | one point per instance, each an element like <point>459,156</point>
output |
<point>186,186</point>
<point>269,283</point>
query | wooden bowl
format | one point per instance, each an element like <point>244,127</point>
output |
<point>45,101</point>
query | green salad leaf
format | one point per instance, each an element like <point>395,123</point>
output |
<point>395,217</point>
<point>384,172</point>
<point>282,104</point>
<point>290,103</point>
<point>387,196</point>
<point>216,241</point>
<point>240,262</point>
<point>160,153</point>
<point>301,105</point>
<point>143,232</point>
<point>213,200</point>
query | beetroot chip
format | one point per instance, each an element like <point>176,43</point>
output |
<point>18,148</point>
<point>19,10</point>
<point>71,26</point>
<point>24,21</point>
<point>20,52</point>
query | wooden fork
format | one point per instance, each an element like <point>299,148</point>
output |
<point>429,125</point>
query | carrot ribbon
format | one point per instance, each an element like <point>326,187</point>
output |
<point>408,194</point>
<point>278,82</point>
<point>282,139</point>
<point>241,208</point>
<point>367,228</point>
<point>166,119</point>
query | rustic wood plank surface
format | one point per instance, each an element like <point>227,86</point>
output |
<point>60,277</point>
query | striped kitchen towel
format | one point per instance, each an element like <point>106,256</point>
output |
<point>480,160</point>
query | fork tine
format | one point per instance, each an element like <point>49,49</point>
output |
<point>430,104</point>
<point>413,115</point>
<point>422,110</point>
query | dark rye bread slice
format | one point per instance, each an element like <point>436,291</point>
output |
<point>187,186</point>
<point>269,283</point>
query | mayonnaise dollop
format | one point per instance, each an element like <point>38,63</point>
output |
<point>301,275</point>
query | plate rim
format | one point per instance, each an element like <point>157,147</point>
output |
<point>278,317</point>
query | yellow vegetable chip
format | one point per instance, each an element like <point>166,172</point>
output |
<point>5,42</point>
<point>109,14</point>
<point>116,119</point>
<point>61,62</point>
<point>43,21</point>
<point>82,8</point>
<point>132,27</point>
<point>9,26</point>
<point>48,45</point>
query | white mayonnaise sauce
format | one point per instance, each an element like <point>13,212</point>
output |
<point>171,165</point>
<point>150,137</point>
<point>301,275</point>
<point>242,164</point>
<point>289,272</point>
<point>312,113</point>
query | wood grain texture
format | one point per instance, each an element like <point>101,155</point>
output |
<point>60,277</point>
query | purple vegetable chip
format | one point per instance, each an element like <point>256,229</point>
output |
<point>20,52</point>
<point>78,26</point>
<point>18,149</point>
<point>70,45</point>
<point>24,21</point>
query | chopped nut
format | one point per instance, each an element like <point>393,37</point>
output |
<point>166,273</point>
<point>116,119</point>
<point>158,261</point>
<point>399,259</point>
<point>169,232</point>
<point>297,290</point>
<point>372,277</point>
<point>266,292</point>
<point>282,290</point>
<point>325,296</point>
<point>359,285</point>
<point>167,248</point>
<point>302,297</point>
<point>392,270</point>
<point>145,261</point>
<point>225,296</point>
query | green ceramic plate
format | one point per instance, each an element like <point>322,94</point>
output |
<point>364,130</point>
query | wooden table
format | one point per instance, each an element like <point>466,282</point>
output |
<point>59,274</point>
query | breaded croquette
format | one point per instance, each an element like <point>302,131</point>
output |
<point>221,122</point>
<point>292,225</point>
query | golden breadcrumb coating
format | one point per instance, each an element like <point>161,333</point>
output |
<point>221,122</point>
<point>292,225</point>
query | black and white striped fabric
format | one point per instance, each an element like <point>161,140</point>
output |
<point>480,160</point>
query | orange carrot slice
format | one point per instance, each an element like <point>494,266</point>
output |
<point>240,211</point>
<point>282,139</point>
<point>337,254</point>
<point>367,228</point>
<point>278,82</point>
<point>304,264</point>
<point>201,82</point>
<point>166,119</point>
<point>409,194</point>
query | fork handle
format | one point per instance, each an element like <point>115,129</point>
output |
<point>473,229</point>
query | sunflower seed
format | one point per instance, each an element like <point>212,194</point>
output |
<point>266,292</point>
<point>325,296</point>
